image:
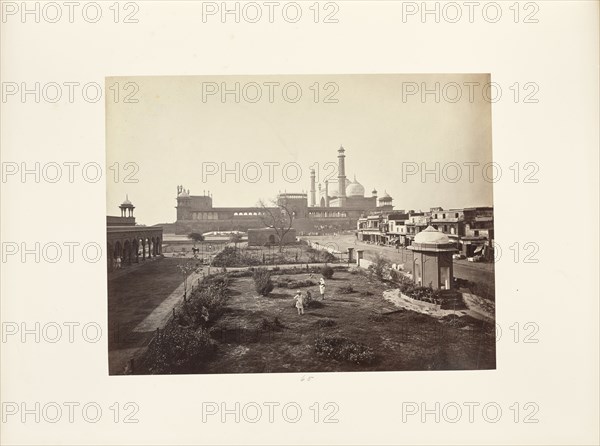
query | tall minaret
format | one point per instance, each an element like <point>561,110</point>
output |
<point>326,193</point>
<point>341,177</point>
<point>313,192</point>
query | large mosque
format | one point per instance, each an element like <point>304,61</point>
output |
<point>346,193</point>
<point>336,205</point>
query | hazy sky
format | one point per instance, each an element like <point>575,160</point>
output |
<point>179,131</point>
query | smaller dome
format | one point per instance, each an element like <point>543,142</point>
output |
<point>386,197</point>
<point>184,194</point>
<point>432,236</point>
<point>126,203</point>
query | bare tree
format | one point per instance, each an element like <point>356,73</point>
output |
<point>279,217</point>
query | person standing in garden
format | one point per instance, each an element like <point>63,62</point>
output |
<point>322,288</point>
<point>299,298</point>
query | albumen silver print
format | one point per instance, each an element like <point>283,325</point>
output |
<point>310,223</point>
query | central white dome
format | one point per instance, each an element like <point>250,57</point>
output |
<point>355,189</point>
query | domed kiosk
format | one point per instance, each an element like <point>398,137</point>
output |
<point>432,259</point>
<point>385,202</point>
<point>127,207</point>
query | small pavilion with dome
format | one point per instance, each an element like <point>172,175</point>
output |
<point>127,207</point>
<point>432,259</point>
<point>385,202</point>
<point>127,242</point>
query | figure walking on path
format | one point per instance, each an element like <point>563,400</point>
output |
<point>299,298</point>
<point>322,288</point>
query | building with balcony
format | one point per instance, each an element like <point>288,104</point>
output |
<point>478,238</point>
<point>471,230</point>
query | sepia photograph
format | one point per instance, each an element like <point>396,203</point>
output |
<point>310,223</point>
<point>299,222</point>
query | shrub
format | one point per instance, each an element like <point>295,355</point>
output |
<point>327,272</point>
<point>179,350</point>
<point>394,275</point>
<point>450,300</point>
<point>221,279</point>
<point>300,283</point>
<point>282,282</point>
<point>311,301</point>
<point>287,282</point>
<point>205,305</point>
<point>421,292</point>
<point>357,271</point>
<point>346,289</point>
<point>320,255</point>
<point>267,325</point>
<point>262,282</point>
<point>240,273</point>
<point>379,267</point>
<point>312,254</point>
<point>229,256</point>
<point>344,349</point>
<point>326,257</point>
<point>324,323</point>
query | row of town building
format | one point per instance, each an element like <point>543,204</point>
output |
<point>471,229</point>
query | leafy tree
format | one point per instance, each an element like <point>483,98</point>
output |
<point>196,237</point>
<point>235,238</point>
